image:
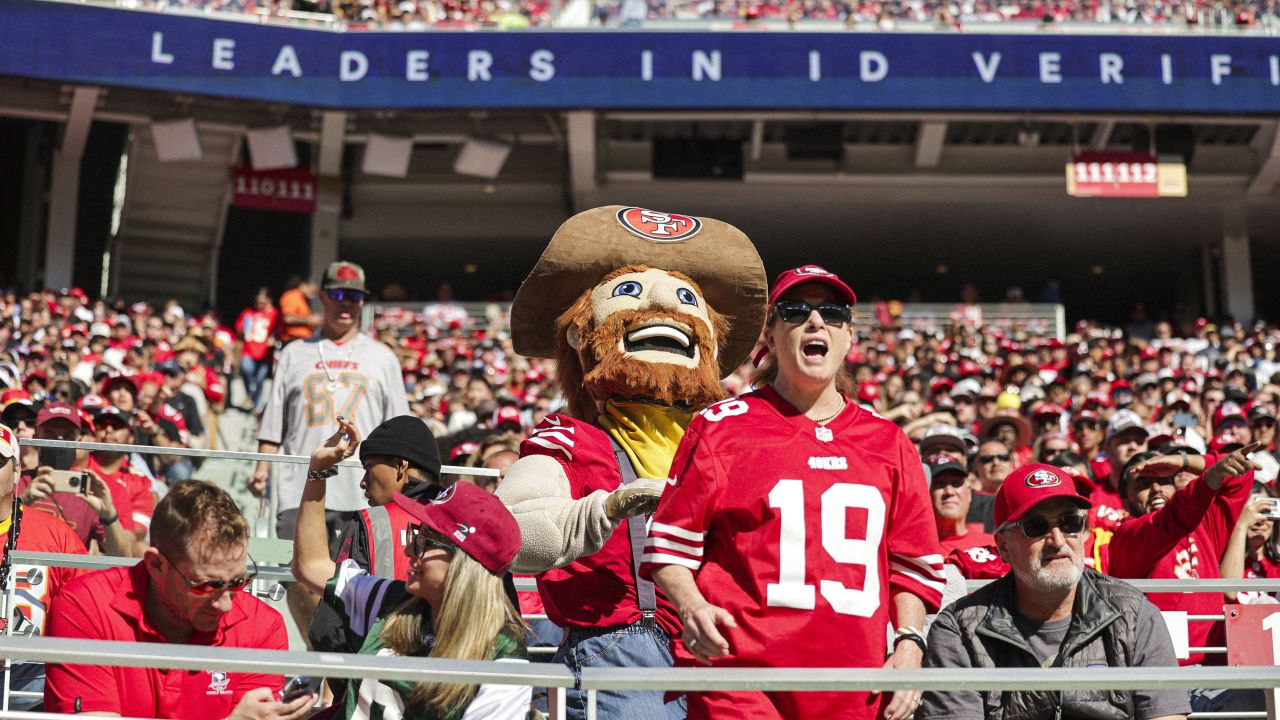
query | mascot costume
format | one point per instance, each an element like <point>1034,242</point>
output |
<point>644,313</point>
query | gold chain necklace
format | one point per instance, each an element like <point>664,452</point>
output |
<point>833,415</point>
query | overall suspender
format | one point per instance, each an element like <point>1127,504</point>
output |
<point>646,594</point>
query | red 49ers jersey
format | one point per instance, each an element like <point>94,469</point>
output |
<point>597,590</point>
<point>802,533</point>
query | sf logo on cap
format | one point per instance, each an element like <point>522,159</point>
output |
<point>1043,479</point>
<point>659,226</point>
<point>811,270</point>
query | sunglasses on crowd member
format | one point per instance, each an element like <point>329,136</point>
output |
<point>1037,527</point>
<point>1088,425</point>
<point>203,588</point>
<point>1051,453</point>
<point>420,541</point>
<point>795,312</point>
<point>1002,457</point>
<point>346,295</point>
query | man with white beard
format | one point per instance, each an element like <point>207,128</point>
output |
<point>1049,612</point>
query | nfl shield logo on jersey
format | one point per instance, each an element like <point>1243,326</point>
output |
<point>1043,479</point>
<point>824,434</point>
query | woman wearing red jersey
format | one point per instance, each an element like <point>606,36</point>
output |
<point>1254,549</point>
<point>795,517</point>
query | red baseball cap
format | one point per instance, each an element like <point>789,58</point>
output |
<point>507,415</point>
<point>471,518</point>
<point>59,411</point>
<point>810,274</point>
<point>1030,485</point>
<point>1228,411</point>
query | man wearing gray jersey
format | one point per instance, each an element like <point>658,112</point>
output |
<point>339,373</point>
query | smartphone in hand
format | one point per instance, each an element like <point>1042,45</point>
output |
<point>299,686</point>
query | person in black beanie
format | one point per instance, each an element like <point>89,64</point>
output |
<point>400,455</point>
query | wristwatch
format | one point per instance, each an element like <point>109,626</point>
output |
<point>321,474</point>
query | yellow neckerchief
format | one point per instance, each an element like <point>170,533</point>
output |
<point>4,526</point>
<point>649,433</point>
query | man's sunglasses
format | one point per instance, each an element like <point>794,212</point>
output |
<point>1088,425</point>
<point>1003,457</point>
<point>420,541</point>
<point>1036,527</point>
<point>346,295</point>
<point>797,311</point>
<point>203,588</point>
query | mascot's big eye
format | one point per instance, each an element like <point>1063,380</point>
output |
<point>630,287</point>
<point>686,296</point>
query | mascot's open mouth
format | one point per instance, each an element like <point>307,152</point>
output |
<point>662,338</point>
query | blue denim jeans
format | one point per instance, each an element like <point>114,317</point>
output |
<point>626,646</point>
<point>254,373</point>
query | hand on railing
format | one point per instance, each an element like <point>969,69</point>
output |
<point>261,704</point>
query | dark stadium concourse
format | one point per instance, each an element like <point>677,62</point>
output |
<point>910,206</point>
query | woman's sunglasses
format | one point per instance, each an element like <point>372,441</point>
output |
<point>420,541</point>
<point>1036,527</point>
<point>797,311</point>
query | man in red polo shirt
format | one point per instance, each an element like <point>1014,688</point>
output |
<point>185,590</point>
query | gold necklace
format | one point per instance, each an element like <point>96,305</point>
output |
<point>833,415</point>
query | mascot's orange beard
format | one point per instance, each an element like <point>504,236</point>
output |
<point>615,374</point>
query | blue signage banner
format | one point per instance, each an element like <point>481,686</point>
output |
<point>640,70</point>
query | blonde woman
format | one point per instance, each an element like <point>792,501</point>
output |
<point>452,604</point>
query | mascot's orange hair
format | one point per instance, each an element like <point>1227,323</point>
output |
<point>611,374</point>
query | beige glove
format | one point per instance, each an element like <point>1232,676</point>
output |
<point>637,498</point>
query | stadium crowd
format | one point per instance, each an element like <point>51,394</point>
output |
<point>1137,416</point>
<point>883,14</point>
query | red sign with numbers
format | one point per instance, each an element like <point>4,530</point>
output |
<point>291,190</point>
<point>1124,175</point>
<point>1253,634</point>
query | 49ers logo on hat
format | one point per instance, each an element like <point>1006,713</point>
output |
<point>811,270</point>
<point>346,272</point>
<point>658,226</point>
<point>1043,479</point>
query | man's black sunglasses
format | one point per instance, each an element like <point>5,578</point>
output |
<point>1035,527</point>
<point>1003,457</point>
<point>797,311</point>
<point>346,295</point>
<point>1088,424</point>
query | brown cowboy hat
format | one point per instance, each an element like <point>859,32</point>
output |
<point>717,255</point>
<point>1007,417</point>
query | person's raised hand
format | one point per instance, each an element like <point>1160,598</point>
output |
<point>41,485</point>
<point>340,446</point>
<point>1232,464</point>
<point>261,704</point>
<point>99,495</point>
<point>701,636</point>
<point>635,498</point>
<point>1160,466</point>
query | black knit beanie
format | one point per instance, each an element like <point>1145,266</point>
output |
<point>405,437</point>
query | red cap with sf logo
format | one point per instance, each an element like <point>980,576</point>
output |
<point>1031,485</point>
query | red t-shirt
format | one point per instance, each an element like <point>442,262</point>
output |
<point>1108,508</point>
<point>1257,568</point>
<point>597,590</point>
<point>1184,539</point>
<point>42,532</point>
<point>802,533</point>
<point>975,537</point>
<point>135,489</point>
<point>71,509</point>
<point>256,328</point>
<point>108,605</point>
